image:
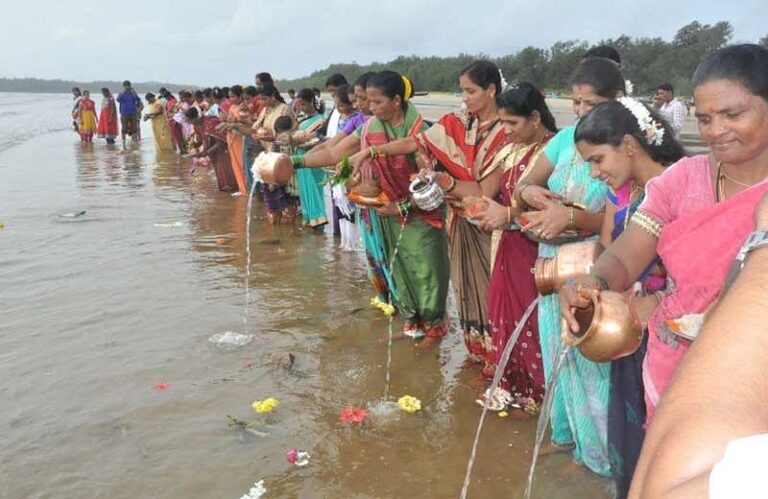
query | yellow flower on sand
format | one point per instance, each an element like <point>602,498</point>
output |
<point>409,404</point>
<point>266,405</point>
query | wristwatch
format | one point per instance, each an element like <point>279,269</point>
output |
<point>756,240</point>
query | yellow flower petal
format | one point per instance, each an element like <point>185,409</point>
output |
<point>503,414</point>
<point>266,405</point>
<point>409,403</point>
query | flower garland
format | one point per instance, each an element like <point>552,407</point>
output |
<point>654,132</point>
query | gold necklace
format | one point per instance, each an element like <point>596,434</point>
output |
<point>725,174</point>
<point>720,194</point>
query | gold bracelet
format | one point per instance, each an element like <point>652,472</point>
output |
<point>647,223</point>
<point>509,215</point>
<point>571,221</point>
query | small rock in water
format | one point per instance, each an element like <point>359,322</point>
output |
<point>230,340</point>
<point>282,360</point>
<point>269,241</point>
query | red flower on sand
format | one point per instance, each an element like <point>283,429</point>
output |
<point>353,415</point>
<point>161,386</point>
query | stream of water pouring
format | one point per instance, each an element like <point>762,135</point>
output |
<point>496,379</point>
<point>247,313</point>
<point>546,409</point>
<point>389,340</point>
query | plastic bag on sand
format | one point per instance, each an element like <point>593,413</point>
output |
<point>230,340</point>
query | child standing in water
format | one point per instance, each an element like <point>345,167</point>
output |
<point>87,115</point>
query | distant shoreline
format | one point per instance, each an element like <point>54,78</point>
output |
<point>42,86</point>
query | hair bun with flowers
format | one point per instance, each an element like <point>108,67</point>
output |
<point>653,130</point>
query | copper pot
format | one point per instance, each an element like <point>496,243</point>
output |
<point>573,260</point>
<point>274,168</point>
<point>608,330</point>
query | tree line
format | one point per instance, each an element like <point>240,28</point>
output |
<point>36,85</point>
<point>647,62</point>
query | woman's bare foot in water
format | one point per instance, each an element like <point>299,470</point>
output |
<point>553,448</point>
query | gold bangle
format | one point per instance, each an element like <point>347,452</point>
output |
<point>647,223</point>
<point>571,221</point>
<point>452,186</point>
<point>509,214</point>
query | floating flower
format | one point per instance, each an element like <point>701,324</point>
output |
<point>297,457</point>
<point>161,386</point>
<point>266,405</point>
<point>353,415</point>
<point>503,414</point>
<point>388,309</point>
<point>256,491</point>
<point>409,404</point>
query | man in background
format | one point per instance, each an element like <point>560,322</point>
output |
<point>130,111</point>
<point>671,109</point>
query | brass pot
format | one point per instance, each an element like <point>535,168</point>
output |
<point>608,330</point>
<point>274,168</point>
<point>573,260</point>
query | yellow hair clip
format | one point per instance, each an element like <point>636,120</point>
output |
<point>408,87</point>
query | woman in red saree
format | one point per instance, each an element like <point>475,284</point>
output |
<point>695,215</point>
<point>214,143</point>
<point>107,128</point>
<point>529,124</point>
<point>464,143</point>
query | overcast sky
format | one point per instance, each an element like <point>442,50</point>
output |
<point>227,41</point>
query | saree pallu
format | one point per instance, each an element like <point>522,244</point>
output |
<point>470,250</point>
<point>369,223</point>
<point>421,284</point>
<point>626,404</point>
<point>251,150</point>
<point>160,129</point>
<point>225,177</point>
<point>235,144</point>
<point>512,289</point>
<point>107,128</point>
<point>466,149</point>
<point>580,402</point>
<point>697,233</point>
<point>310,183</point>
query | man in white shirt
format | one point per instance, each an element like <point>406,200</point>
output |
<point>671,109</point>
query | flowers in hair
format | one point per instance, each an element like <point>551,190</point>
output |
<point>654,132</point>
